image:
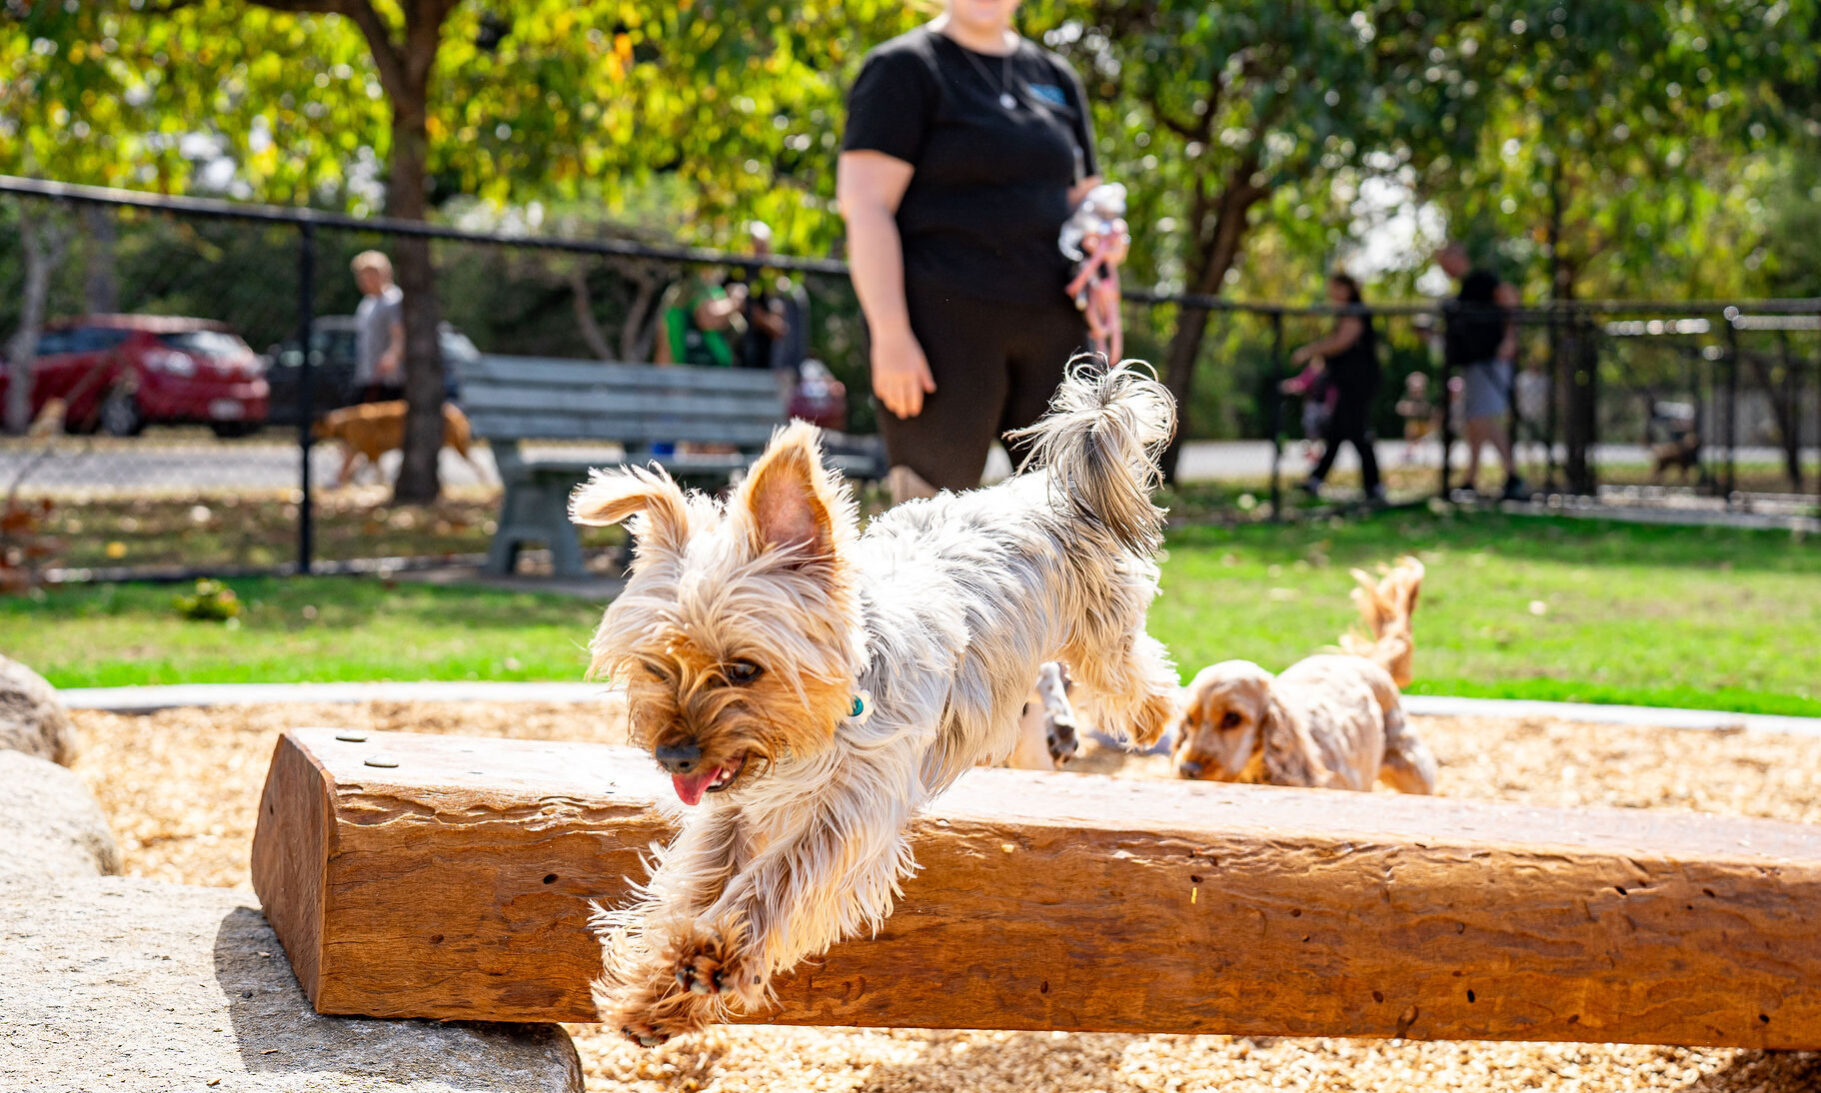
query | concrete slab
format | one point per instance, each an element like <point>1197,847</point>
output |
<point>134,985</point>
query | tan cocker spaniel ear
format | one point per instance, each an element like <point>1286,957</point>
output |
<point>1290,755</point>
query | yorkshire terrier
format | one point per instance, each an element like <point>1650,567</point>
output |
<point>809,687</point>
<point>1332,721</point>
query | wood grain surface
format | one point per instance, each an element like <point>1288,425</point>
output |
<point>445,877</point>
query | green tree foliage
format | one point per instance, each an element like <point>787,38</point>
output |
<point>1628,146</point>
<point>1244,130</point>
<point>1209,112</point>
<point>1788,257</point>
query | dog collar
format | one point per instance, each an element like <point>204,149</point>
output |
<point>861,708</point>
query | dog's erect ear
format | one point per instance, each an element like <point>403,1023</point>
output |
<point>608,497</point>
<point>790,501</point>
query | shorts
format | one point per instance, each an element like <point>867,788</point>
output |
<point>996,366</point>
<point>1488,389</point>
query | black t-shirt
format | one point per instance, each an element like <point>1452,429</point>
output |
<point>1476,322</point>
<point>1354,369</point>
<point>990,194</point>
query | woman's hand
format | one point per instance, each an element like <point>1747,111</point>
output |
<point>901,375</point>
<point>1301,354</point>
<point>868,186</point>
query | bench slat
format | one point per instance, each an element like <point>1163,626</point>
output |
<point>577,402</point>
<point>540,371</point>
<point>546,426</point>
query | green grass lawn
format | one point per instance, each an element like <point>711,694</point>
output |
<point>1522,607</point>
<point>1517,607</point>
<point>311,629</point>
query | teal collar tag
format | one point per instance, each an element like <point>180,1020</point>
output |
<point>861,708</point>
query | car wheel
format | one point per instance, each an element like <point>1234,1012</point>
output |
<point>227,430</point>
<point>120,415</point>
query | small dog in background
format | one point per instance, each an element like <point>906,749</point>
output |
<point>1675,440</point>
<point>1332,721</point>
<point>809,687</point>
<point>372,429</point>
<point>51,420</point>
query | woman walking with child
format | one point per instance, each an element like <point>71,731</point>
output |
<point>1350,356</point>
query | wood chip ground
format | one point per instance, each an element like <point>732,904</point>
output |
<point>181,787</point>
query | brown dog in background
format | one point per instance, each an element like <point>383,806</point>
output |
<point>372,429</point>
<point>1332,721</point>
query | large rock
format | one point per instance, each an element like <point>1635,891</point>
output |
<point>31,718</point>
<point>50,826</point>
<point>135,985</point>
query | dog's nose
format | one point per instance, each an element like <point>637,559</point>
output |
<point>1188,768</point>
<point>678,758</point>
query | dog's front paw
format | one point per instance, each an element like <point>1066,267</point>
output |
<point>644,1033</point>
<point>1063,739</point>
<point>661,1012</point>
<point>713,963</point>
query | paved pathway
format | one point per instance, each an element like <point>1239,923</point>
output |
<point>185,462</point>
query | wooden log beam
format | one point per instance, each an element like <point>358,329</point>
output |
<point>443,877</point>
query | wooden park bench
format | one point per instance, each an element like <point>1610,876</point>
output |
<point>638,407</point>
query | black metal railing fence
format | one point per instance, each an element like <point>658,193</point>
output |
<point>145,470</point>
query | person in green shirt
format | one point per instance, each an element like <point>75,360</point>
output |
<point>702,321</point>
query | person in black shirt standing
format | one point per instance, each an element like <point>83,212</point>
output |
<point>966,149</point>
<point>1351,354</point>
<point>1481,344</point>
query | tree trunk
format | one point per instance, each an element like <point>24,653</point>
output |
<point>585,321</point>
<point>1576,367</point>
<point>1217,248</point>
<point>1581,360</point>
<point>637,335</point>
<point>1785,409</point>
<point>404,71</point>
<point>43,241</point>
<point>101,284</point>
<point>419,481</point>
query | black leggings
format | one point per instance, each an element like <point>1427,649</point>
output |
<point>1348,422</point>
<point>995,366</point>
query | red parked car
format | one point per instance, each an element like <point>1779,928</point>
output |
<point>120,373</point>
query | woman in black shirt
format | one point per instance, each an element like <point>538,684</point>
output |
<point>1350,353</point>
<point>967,147</point>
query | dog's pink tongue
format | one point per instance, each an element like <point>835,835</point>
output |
<point>690,787</point>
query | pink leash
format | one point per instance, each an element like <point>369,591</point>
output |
<point>1095,291</point>
<point>1097,237</point>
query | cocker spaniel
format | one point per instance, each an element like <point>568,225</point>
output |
<point>1332,721</point>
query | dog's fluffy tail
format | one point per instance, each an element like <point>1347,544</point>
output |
<point>1385,606</point>
<point>1100,442</point>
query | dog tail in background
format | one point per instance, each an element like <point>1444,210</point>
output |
<point>1100,442</point>
<point>1385,606</point>
<point>456,432</point>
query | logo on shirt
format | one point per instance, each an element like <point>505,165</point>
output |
<point>1049,93</point>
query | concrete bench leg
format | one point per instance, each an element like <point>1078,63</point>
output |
<point>502,553</point>
<point>565,543</point>
<point>536,511</point>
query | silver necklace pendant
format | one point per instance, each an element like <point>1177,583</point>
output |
<point>1006,100</point>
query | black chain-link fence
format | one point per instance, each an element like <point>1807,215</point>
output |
<point>163,430</point>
